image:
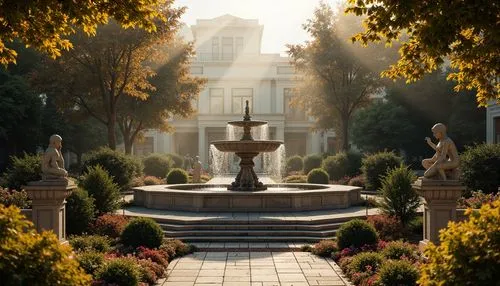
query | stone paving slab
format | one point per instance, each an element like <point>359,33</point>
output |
<point>253,268</point>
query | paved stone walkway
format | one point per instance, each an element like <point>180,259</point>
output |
<point>252,269</point>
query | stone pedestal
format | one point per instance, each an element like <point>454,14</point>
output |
<point>49,200</point>
<point>439,207</point>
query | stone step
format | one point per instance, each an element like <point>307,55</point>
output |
<point>256,239</point>
<point>239,227</point>
<point>257,221</point>
<point>250,233</point>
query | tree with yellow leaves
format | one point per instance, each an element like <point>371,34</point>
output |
<point>467,33</point>
<point>46,24</point>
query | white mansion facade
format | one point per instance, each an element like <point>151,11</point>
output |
<point>228,54</point>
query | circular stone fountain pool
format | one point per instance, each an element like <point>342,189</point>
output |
<point>277,197</point>
<point>247,193</point>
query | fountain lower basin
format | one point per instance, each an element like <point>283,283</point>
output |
<point>216,198</point>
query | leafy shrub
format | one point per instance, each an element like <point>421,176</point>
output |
<point>110,225</point>
<point>14,198</point>
<point>400,272</point>
<point>149,271</point>
<point>477,200</point>
<point>101,187</point>
<point>31,258</point>
<point>180,248</point>
<point>397,249</point>
<point>342,165</point>
<point>157,165</point>
<point>150,180</point>
<point>358,181</point>
<point>318,176</point>
<point>177,176</point>
<point>122,168</point>
<point>356,233</point>
<point>142,232</point>
<point>336,166</point>
<point>324,248</point>
<point>90,261</point>
<point>80,212</point>
<point>416,225</point>
<point>311,162</point>
<point>120,271</point>
<point>23,170</point>
<point>294,163</point>
<point>353,167</point>
<point>295,179</point>
<point>87,242</point>
<point>387,227</point>
<point>154,255</point>
<point>306,248</point>
<point>178,161</point>
<point>375,166</point>
<point>399,198</point>
<point>137,182</point>
<point>479,167</point>
<point>468,253</point>
<point>360,262</point>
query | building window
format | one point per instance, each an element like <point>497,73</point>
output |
<point>217,100</point>
<point>238,45</point>
<point>215,48</point>
<point>227,48</point>
<point>240,95</point>
<point>291,113</point>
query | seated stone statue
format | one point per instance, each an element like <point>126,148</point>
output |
<point>444,164</point>
<point>53,161</point>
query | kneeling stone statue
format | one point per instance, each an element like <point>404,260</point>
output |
<point>444,164</point>
<point>53,161</point>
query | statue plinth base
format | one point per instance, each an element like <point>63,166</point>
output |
<point>49,204</point>
<point>440,204</point>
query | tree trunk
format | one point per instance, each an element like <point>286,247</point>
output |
<point>344,134</point>
<point>111,132</point>
<point>128,145</point>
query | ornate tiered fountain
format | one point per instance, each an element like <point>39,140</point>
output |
<point>246,193</point>
<point>247,148</point>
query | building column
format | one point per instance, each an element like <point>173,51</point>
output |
<point>315,142</point>
<point>201,145</point>
<point>325,142</point>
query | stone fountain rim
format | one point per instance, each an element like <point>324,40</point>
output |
<point>224,191</point>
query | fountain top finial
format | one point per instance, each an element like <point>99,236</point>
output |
<point>247,116</point>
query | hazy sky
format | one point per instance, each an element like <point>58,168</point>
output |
<point>282,19</point>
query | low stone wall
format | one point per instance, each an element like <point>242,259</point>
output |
<point>296,197</point>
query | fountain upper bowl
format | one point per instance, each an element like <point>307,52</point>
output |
<point>249,123</point>
<point>247,146</point>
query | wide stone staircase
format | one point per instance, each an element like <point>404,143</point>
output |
<point>250,227</point>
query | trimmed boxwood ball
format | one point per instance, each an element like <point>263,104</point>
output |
<point>294,164</point>
<point>177,176</point>
<point>364,259</point>
<point>318,176</point>
<point>312,162</point>
<point>356,233</point>
<point>120,271</point>
<point>142,232</point>
<point>398,272</point>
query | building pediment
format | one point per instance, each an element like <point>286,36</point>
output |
<point>227,20</point>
